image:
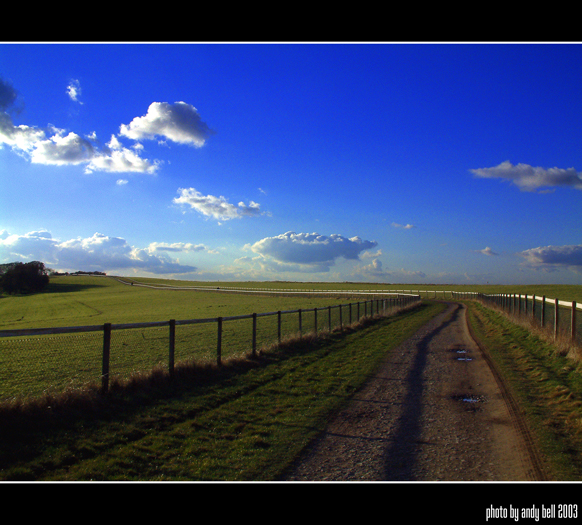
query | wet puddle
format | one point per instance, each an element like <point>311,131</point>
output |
<point>462,356</point>
<point>471,401</point>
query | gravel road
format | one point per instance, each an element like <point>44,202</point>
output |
<point>434,411</point>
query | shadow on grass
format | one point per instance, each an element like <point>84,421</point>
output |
<point>27,424</point>
<point>68,287</point>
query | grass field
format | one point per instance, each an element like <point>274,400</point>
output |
<point>246,421</point>
<point>243,422</point>
<point>79,301</point>
<point>32,365</point>
<point>562,292</point>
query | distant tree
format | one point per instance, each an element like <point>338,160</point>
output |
<point>25,278</point>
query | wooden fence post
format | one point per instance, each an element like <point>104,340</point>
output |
<point>254,335</point>
<point>172,346</point>
<point>300,324</point>
<point>329,317</point>
<point>573,322</point>
<point>279,326</point>
<point>315,319</point>
<point>556,318</point>
<point>106,352</point>
<point>543,310</point>
<point>219,342</point>
<point>533,308</point>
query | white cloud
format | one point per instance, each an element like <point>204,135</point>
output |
<point>60,150</point>
<point>366,254</point>
<point>175,247</point>
<point>529,178</point>
<point>74,90</point>
<point>179,122</point>
<point>20,138</point>
<point>118,159</point>
<point>311,249</point>
<point>487,251</point>
<point>374,269</point>
<point>70,149</point>
<point>402,226</point>
<point>98,252</point>
<point>569,256</point>
<point>216,207</point>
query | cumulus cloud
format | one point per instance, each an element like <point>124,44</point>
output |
<point>96,253</point>
<point>529,178</point>
<point>61,148</point>
<point>175,247</point>
<point>21,139</point>
<point>402,226</point>
<point>74,90</point>
<point>569,256</point>
<point>374,269</point>
<point>311,248</point>
<point>118,159</point>
<point>216,207</point>
<point>179,122</point>
<point>487,251</point>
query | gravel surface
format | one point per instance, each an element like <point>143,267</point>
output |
<point>434,411</point>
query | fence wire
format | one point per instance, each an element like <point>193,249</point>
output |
<point>32,365</point>
<point>542,314</point>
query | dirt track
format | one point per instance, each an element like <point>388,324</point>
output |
<point>434,411</point>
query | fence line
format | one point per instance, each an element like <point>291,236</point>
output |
<point>355,311</point>
<point>536,309</point>
<point>169,335</point>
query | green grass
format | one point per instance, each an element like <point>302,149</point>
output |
<point>427,291</point>
<point>246,421</point>
<point>80,301</point>
<point>31,365</point>
<point>547,384</point>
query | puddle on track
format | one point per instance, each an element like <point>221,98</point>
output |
<point>472,401</point>
<point>461,358</point>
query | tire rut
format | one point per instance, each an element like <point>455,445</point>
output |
<point>436,410</point>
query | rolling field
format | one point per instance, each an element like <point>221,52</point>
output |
<point>36,364</point>
<point>32,365</point>
<point>166,433</point>
<point>562,292</point>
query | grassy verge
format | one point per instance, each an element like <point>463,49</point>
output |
<point>247,420</point>
<point>546,382</point>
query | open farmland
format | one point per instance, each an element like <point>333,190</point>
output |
<point>87,300</point>
<point>33,364</point>
<point>246,411</point>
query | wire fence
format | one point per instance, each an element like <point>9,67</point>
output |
<point>37,361</point>
<point>562,318</point>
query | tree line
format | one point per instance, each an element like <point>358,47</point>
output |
<point>21,277</point>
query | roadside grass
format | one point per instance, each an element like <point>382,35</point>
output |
<point>245,421</point>
<point>546,381</point>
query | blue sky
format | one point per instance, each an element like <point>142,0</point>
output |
<point>374,162</point>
